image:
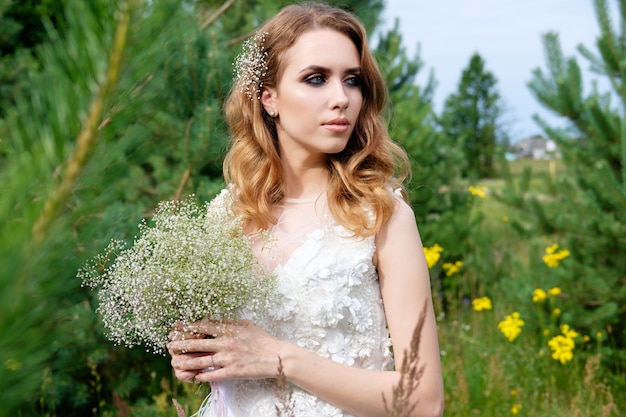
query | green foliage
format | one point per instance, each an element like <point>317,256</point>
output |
<point>21,30</point>
<point>473,114</point>
<point>588,213</point>
<point>434,183</point>
<point>155,138</point>
<point>23,22</point>
<point>437,191</point>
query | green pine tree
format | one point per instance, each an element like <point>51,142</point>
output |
<point>438,193</point>
<point>474,114</point>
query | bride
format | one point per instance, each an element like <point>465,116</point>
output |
<point>312,165</point>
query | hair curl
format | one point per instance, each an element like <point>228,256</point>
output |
<point>361,176</point>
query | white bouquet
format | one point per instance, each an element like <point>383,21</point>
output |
<point>193,263</point>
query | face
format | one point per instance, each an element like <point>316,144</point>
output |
<point>318,96</point>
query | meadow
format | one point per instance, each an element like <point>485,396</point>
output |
<point>515,355</point>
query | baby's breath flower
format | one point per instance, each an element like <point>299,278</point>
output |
<point>251,66</point>
<point>193,263</point>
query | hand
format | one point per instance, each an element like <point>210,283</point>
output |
<point>234,349</point>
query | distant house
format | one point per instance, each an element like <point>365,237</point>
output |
<point>535,147</point>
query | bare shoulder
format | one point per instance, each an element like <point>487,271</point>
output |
<point>402,221</point>
<point>398,240</point>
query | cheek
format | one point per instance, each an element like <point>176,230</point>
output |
<point>357,104</point>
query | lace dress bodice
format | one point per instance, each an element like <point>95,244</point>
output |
<point>329,302</point>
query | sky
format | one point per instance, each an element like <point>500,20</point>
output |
<point>506,33</point>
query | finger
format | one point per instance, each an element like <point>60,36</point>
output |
<point>181,331</point>
<point>184,335</point>
<point>187,376</point>
<point>191,346</point>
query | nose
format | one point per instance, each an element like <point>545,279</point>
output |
<point>338,96</point>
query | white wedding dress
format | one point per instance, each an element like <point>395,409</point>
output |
<point>329,302</point>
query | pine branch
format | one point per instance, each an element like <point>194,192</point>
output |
<point>88,136</point>
<point>211,19</point>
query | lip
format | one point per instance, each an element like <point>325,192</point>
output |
<point>338,125</point>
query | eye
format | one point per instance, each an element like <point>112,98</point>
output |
<point>315,79</point>
<point>353,81</point>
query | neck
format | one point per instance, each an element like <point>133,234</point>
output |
<point>305,175</point>
<point>309,183</point>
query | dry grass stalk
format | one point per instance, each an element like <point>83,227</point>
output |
<point>179,410</point>
<point>595,394</point>
<point>285,406</point>
<point>411,373</point>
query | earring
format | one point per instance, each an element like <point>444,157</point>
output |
<point>272,113</point>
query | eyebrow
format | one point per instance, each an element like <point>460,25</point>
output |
<point>318,68</point>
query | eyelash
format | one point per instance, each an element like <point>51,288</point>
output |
<point>319,79</point>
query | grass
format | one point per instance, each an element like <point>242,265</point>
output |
<point>484,372</point>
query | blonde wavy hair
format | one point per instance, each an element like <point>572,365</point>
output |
<point>361,176</point>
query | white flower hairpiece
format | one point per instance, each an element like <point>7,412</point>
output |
<point>251,66</point>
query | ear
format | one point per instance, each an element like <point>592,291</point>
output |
<point>268,100</point>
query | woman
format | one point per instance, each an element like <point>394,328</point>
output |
<point>311,162</point>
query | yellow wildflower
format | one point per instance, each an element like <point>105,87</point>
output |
<point>511,326</point>
<point>481,303</point>
<point>568,331</point>
<point>480,191</point>
<point>556,311</point>
<point>599,335</point>
<point>433,254</point>
<point>452,268</point>
<point>554,291</point>
<point>586,338</point>
<point>562,348</point>
<point>516,409</point>
<point>505,219</point>
<point>554,256</point>
<point>539,295</point>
